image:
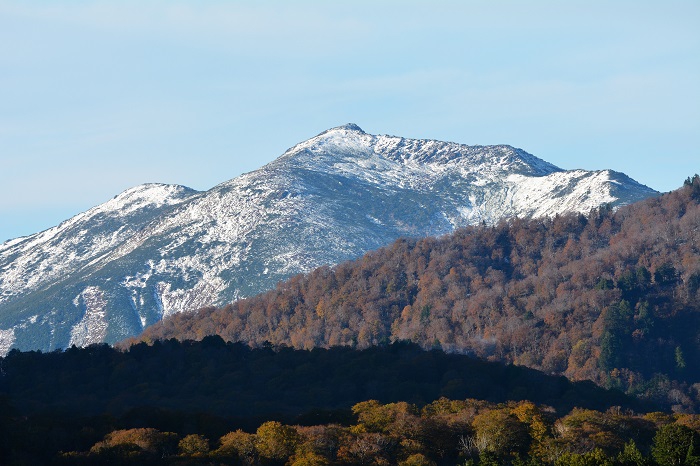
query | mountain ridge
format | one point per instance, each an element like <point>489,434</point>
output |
<point>156,249</point>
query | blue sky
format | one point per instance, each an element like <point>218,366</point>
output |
<point>100,96</point>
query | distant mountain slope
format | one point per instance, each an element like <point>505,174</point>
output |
<point>613,297</point>
<point>156,250</point>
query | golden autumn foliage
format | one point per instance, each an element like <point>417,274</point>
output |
<point>470,431</point>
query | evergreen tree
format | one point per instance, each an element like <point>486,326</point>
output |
<point>675,445</point>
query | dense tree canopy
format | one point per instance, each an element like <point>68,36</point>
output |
<point>233,380</point>
<point>442,433</point>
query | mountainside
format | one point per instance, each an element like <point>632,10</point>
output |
<point>156,250</point>
<point>612,297</point>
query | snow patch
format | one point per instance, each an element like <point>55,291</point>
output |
<point>92,328</point>
<point>7,339</point>
<point>374,220</point>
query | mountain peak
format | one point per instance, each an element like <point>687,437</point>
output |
<point>349,127</point>
<point>349,149</point>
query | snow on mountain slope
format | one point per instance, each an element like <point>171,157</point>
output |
<point>48,255</point>
<point>155,250</point>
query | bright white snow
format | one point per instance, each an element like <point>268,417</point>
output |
<point>92,328</point>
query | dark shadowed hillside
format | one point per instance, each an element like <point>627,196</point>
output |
<point>610,297</point>
<point>235,381</point>
<point>68,401</point>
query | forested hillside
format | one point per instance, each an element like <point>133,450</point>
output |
<point>233,380</point>
<point>610,297</point>
<point>69,400</point>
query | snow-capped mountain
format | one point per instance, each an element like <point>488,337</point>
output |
<point>155,250</point>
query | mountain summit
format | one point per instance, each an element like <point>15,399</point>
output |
<point>156,249</point>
